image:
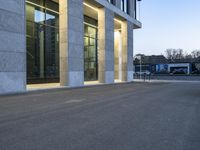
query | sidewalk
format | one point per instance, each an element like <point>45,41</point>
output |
<point>172,81</point>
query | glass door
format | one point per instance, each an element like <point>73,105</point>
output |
<point>90,53</point>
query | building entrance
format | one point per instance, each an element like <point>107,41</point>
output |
<point>90,49</point>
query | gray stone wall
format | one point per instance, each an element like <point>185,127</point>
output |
<point>106,45</point>
<point>130,51</point>
<point>127,51</point>
<point>12,46</point>
<point>71,43</point>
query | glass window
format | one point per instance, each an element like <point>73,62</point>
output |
<point>49,4</point>
<point>42,38</point>
<point>52,19</point>
<point>125,6</point>
<point>38,2</point>
<point>111,1</point>
<point>92,42</point>
<point>39,16</point>
<point>35,14</point>
<point>90,50</point>
<point>92,32</point>
<point>52,5</point>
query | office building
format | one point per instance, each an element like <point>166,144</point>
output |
<point>66,42</point>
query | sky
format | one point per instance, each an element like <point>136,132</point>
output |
<point>168,24</point>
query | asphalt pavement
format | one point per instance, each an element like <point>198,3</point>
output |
<point>133,116</point>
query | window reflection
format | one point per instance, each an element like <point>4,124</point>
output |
<point>39,16</point>
<point>90,50</point>
<point>42,44</point>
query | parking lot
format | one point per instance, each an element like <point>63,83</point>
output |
<point>132,116</point>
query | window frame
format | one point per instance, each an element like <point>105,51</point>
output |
<point>112,1</point>
<point>125,6</point>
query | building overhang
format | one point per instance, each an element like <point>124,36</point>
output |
<point>118,12</point>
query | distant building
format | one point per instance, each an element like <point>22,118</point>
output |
<point>158,64</point>
<point>151,63</point>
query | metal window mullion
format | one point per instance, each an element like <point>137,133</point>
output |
<point>43,7</point>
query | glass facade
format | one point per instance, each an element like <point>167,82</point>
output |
<point>90,49</point>
<point>125,6</point>
<point>42,38</point>
<point>111,1</point>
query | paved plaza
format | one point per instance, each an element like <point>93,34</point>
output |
<point>133,116</point>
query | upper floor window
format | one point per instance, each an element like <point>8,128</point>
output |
<point>125,6</point>
<point>111,1</point>
<point>136,10</point>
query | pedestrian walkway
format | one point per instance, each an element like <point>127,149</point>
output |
<point>172,81</point>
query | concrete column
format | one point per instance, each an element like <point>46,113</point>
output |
<point>118,55</point>
<point>71,43</point>
<point>106,45</point>
<point>12,46</point>
<point>127,51</point>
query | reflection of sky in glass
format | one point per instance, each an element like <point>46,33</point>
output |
<point>39,16</point>
<point>48,16</point>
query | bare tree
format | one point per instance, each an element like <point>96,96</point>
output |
<point>197,65</point>
<point>195,53</point>
<point>168,53</point>
<point>172,54</point>
<point>188,56</point>
<point>179,54</point>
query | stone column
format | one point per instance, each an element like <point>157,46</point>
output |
<point>106,45</point>
<point>127,51</point>
<point>12,46</point>
<point>71,43</point>
<point>118,55</point>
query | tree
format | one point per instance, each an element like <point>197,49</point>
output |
<point>172,54</point>
<point>197,65</point>
<point>188,56</point>
<point>168,54</point>
<point>195,53</point>
<point>179,54</point>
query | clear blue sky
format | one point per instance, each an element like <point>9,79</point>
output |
<point>168,24</point>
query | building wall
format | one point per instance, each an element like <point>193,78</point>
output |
<point>71,43</point>
<point>106,45</point>
<point>118,12</point>
<point>118,55</point>
<point>12,46</point>
<point>13,43</point>
<point>127,51</point>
